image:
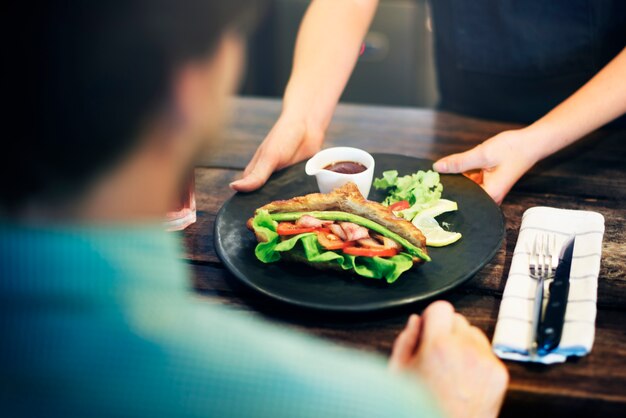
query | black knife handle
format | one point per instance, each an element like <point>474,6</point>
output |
<point>551,327</point>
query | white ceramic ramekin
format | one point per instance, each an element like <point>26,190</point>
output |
<point>328,180</point>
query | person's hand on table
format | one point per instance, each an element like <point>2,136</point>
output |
<point>290,141</point>
<point>496,164</point>
<point>454,359</point>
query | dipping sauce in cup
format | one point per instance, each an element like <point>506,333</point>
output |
<point>346,167</point>
<point>334,167</point>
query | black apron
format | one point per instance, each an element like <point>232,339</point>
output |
<point>515,60</point>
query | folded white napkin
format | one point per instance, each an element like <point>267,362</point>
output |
<point>513,331</point>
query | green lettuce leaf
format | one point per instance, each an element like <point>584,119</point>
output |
<point>388,180</point>
<point>270,251</point>
<point>265,228</point>
<point>377,267</point>
<point>421,189</point>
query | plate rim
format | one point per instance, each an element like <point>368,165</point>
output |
<point>363,307</point>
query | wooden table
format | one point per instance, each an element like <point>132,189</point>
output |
<point>591,176</point>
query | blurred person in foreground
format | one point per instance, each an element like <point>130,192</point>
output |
<point>556,65</point>
<point>96,312</point>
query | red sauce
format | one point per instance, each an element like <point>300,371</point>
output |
<point>346,167</point>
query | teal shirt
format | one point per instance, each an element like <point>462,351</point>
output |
<point>102,322</point>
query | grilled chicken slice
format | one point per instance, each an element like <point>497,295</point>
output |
<point>307,221</point>
<point>354,232</point>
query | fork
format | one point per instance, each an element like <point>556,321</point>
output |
<point>541,268</point>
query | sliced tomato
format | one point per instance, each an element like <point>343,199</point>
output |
<point>325,230</point>
<point>371,252</point>
<point>401,205</point>
<point>288,228</point>
<point>331,241</point>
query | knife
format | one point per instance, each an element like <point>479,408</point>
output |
<point>551,327</point>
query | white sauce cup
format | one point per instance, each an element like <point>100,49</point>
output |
<point>328,180</point>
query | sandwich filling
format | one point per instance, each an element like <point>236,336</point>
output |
<point>341,239</point>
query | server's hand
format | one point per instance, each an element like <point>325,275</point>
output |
<point>290,141</point>
<point>496,164</point>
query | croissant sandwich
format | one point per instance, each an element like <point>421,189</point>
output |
<point>340,230</point>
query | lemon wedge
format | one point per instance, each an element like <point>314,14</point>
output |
<point>440,237</point>
<point>442,206</point>
<point>435,235</point>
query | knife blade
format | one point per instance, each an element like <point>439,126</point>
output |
<point>551,326</point>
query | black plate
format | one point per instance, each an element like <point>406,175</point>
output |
<point>479,219</point>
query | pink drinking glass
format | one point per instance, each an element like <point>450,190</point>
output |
<point>184,213</point>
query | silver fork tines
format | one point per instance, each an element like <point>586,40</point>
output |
<point>540,265</point>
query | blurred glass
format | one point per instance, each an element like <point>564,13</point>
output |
<point>184,213</point>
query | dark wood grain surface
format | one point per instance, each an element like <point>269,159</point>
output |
<point>590,176</point>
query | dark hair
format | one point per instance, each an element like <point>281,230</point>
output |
<point>83,77</point>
